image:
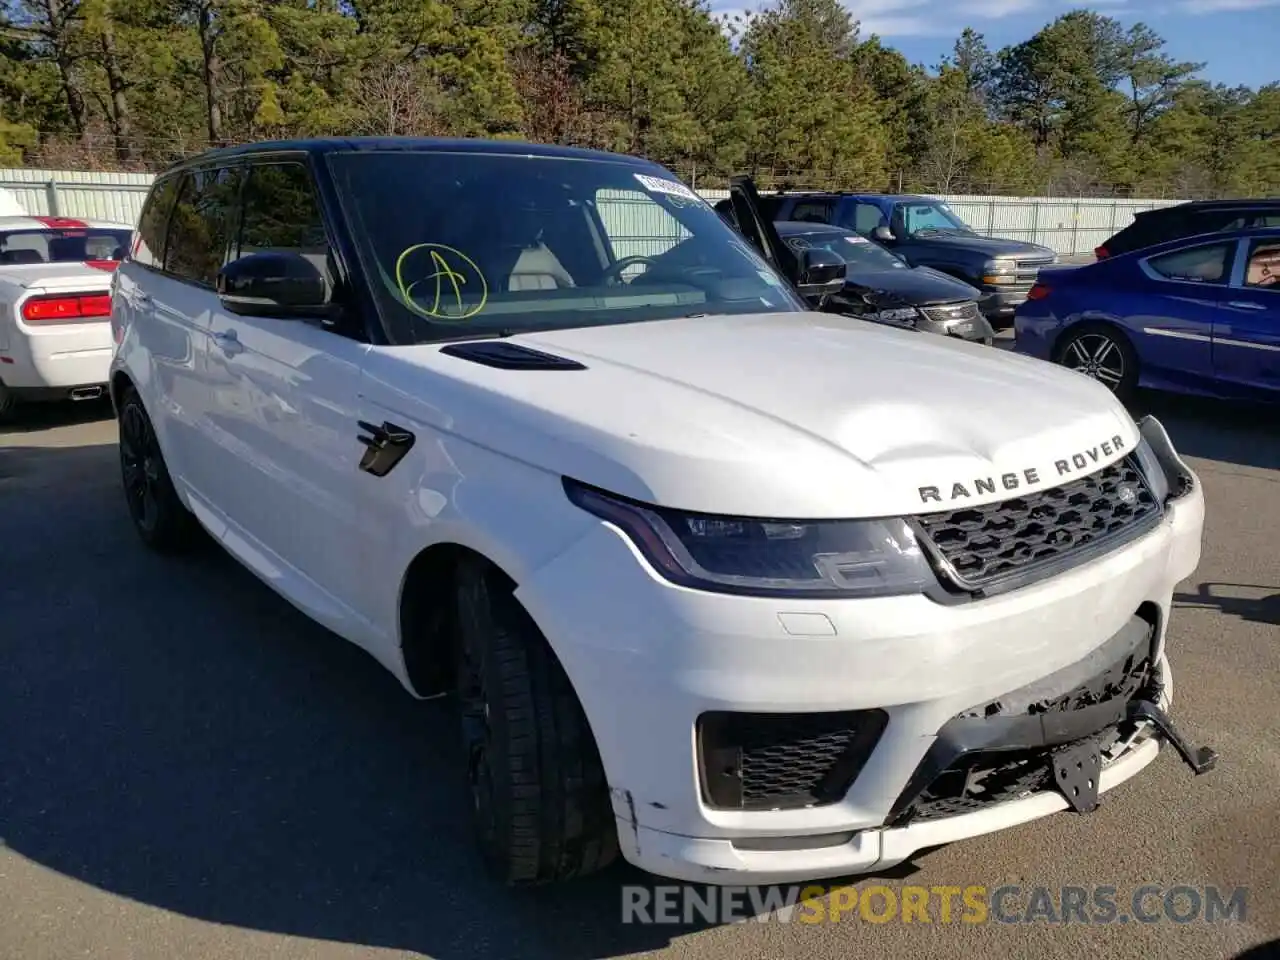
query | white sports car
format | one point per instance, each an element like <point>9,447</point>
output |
<point>55,306</point>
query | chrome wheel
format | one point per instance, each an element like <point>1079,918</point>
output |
<point>1098,356</point>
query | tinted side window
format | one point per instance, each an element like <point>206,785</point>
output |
<point>866,217</point>
<point>201,224</point>
<point>769,207</point>
<point>1210,221</point>
<point>1206,264</point>
<point>154,222</point>
<point>813,211</point>
<point>281,214</point>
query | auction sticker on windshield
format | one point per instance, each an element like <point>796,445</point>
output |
<point>856,239</point>
<point>662,185</point>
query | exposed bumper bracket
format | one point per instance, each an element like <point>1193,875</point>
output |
<point>1199,759</point>
<point>1077,770</point>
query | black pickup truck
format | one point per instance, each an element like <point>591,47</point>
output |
<point>924,232</point>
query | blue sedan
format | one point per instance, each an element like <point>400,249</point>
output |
<point>1197,315</point>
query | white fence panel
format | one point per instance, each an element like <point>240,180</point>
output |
<point>1068,225</point>
<point>78,193</point>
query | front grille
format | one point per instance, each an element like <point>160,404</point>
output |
<point>978,546</point>
<point>769,761</point>
<point>952,311</point>
<point>1027,271</point>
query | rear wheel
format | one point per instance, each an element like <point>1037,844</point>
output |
<point>8,402</point>
<point>540,802</point>
<point>159,517</point>
<point>1103,353</point>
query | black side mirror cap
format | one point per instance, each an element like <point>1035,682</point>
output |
<point>822,273</point>
<point>273,284</point>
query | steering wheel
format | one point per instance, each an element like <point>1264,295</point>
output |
<point>613,273</point>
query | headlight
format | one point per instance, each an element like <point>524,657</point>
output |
<point>1152,471</point>
<point>897,315</point>
<point>759,557</point>
<point>999,271</point>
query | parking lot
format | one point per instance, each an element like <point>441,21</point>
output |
<point>189,768</point>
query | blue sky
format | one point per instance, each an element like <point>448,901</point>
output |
<point>1236,39</point>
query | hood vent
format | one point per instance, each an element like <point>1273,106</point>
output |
<point>509,356</point>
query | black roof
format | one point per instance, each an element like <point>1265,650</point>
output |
<point>789,228</point>
<point>322,145</point>
<point>1220,204</point>
<point>870,194</point>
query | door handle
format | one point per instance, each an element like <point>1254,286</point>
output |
<point>1246,305</point>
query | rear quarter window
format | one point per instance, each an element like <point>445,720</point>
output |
<point>153,225</point>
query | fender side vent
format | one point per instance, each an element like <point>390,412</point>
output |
<point>509,356</point>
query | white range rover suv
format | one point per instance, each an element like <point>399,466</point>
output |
<point>745,591</point>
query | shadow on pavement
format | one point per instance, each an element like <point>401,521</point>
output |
<point>173,732</point>
<point>33,417</point>
<point>1263,951</point>
<point>1263,608</point>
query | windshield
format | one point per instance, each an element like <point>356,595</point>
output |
<point>467,244</point>
<point>925,216</point>
<point>63,246</point>
<point>856,251</point>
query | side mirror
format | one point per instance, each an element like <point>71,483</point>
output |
<point>882,234</point>
<point>273,285</point>
<point>821,273</point>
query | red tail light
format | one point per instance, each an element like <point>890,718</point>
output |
<point>102,264</point>
<point>1101,253</point>
<point>57,308</point>
<point>1038,291</point>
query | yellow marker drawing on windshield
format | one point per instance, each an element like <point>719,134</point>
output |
<point>452,275</point>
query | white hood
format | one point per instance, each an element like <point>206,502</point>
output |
<point>796,415</point>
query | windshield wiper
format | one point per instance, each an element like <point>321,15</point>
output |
<point>476,335</point>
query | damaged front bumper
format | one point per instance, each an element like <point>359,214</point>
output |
<point>752,740</point>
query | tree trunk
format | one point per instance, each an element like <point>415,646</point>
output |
<point>60,42</point>
<point>212,72</point>
<point>120,119</point>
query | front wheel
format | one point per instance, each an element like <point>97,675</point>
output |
<point>1104,354</point>
<point>540,801</point>
<point>159,516</point>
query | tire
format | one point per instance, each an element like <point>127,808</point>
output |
<point>8,404</point>
<point>540,801</point>
<point>1102,352</point>
<point>158,516</point>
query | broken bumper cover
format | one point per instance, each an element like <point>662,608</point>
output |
<point>848,712</point>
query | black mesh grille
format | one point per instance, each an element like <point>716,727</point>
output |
<point>984,544</point>
<point>754,761</point>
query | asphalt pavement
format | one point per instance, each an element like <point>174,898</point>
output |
<point>191,769</point>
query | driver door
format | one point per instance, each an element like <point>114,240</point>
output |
<point>284,409</point>
<point>759,229</point>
